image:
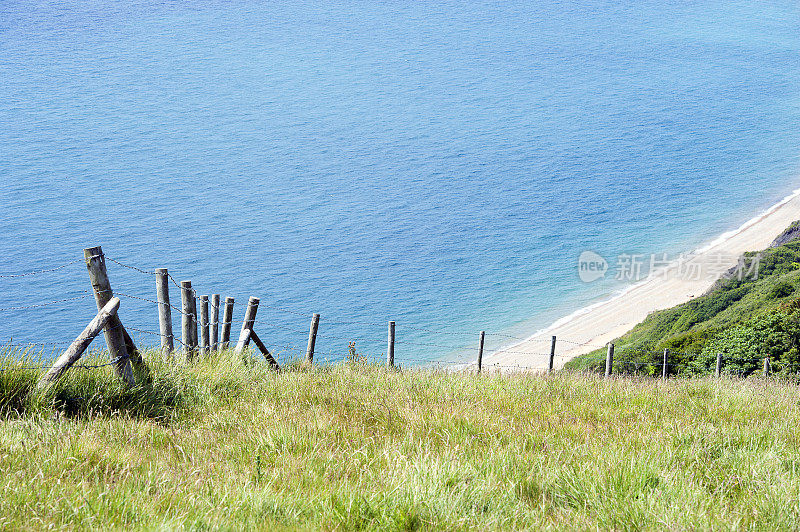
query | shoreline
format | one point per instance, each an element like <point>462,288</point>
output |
<point>598,323</point>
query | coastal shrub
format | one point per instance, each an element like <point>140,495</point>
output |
<point>781,290</point>
<point>775,335</point>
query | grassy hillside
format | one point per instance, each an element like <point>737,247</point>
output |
<point>745,319</point>
<point>220,445</point>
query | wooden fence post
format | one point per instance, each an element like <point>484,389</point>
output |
<point>767,367</point>
<point>609,359</point>
<point>134,354</point>
<point>187,296</point>
<point>552,355</point>
<point>79,345</point>
<point>214,339</point>
<point>664,365</point>
<point>194,321</point>
<point>390,346</point>
<point>247,324</point>
<point>204,340</point>
<point>312,339</point>
<point>481,337</point>
<point>718,369</point>
<point>164,312</point>
<point>264,351</point>
<point>96,265</point>
<point>227,319</point>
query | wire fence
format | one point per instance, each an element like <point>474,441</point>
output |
<point>630,360</point>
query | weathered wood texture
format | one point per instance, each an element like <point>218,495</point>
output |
<point>164,312</point>
<point>204,332</point>
<point>135,355</point>
<point>264,351</point>
<point>79,345</point>
<point>227,319</point>
<point>609,360</point>
<point>552,355</point>
<point>481,338</point>
<point>312,339</point>
<point>193,315</point>
<point>390,346</point>
<point>187,295</point>
<point>247,324</point>
<point>96,266</point>
<point>214,325</point>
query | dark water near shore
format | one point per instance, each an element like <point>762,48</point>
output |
<point>442,166</point>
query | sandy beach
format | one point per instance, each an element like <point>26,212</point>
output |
<point>600,323</point>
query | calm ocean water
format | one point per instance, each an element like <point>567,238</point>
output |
<point>440,165</point>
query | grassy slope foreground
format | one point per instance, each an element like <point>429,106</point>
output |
<point>218,445</point>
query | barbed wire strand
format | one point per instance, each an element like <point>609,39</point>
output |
<point>39,305</point>
<point>38,272</point>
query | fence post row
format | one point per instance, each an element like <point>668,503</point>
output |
<point>312,339</point>
<point>481,337</point>
<point>214,338</point>
<point>247,324</point>
<point>96,265</point>
<point>204,339</point>
<point>390,346</point>
<point>123,350</point>
<point>227,318</point>
<point>609,359</point>
<point>79,345</point>
<point>164,312</point>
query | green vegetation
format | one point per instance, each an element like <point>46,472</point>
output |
<point>222,445</point>
<point>745,319</point>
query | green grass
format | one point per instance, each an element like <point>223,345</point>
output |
<point>220,445</point>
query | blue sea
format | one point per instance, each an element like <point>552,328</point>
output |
<point>439,164</point>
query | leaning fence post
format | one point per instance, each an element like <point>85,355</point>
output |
<point>609,359</point>
<point>390,346</point>
<point>204,326</point>
<point>247,324</point>
<point>227,318</point>
<point>664,365</point>
<point>264,351</point>
<point>552,355</point>
<point>187,297</point>
<point>312,339</point>
<point>164,312</point>
<point>481,337</point>
<point>96,264</point>
<point>767,367</point>
<point>79,345</point>
<point>214,339</point>
<point>718,369</point>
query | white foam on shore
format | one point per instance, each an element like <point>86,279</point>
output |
<point>749,223</point>
<point>621,293</point>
